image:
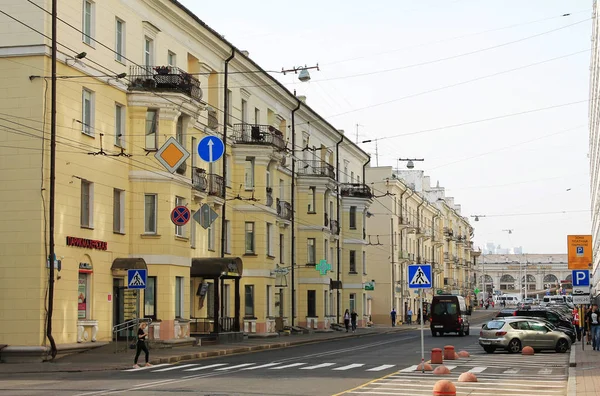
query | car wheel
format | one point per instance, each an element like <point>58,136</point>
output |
<point>461,333</point>
<point>562,346</point>
<point>468,331</point>
<point>489,349</point>
<point>514,346</point>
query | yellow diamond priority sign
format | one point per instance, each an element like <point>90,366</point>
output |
<point>172,155</point>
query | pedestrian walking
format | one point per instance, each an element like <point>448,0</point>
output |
<point>347,319</point>
<point>587,325</point>
<point>576,323</point>
<point>141,345</point>
<point>409,316</point>
<point>419,316</point>
<point>393,316</point>
<point>595,324</point>
<point>353,318</point>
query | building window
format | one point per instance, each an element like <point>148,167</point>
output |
<point>352,302</point>
<point>83,311</point>
<point>150,210</point>
<point>211,237</point>
<point>249,238</point>
<point>364,262</point>
<point>179,132</point>
<point>119,125</point>
<point>228,236</point>
<point>249,301</point>
<point>148,51</point>
<point>244,111</point>
<point>311,303</point>
<point>229,107</point>
<point>269,239</point>
<point>311,251</point>
<point>282,248</point>
<point>326,250</point>
<point>192,231</point>
<point>120,40</point>
<point>312,200</point>
<point>331,257</point>
<point>179,230</point>
<point>352,262</point>
<point>325,303</point>
<point>171,59</point>
<point>118,211</point>
<point>228,170</point>
<point>87,114</point>
<point>87,192</point>
<point>269,301</point>
<point>256,116</point>
<point>249,173</point>
<point>150,298</point>
<point>179,297</point>
<point>353,217</point>
<point>89,22</point>
<point>351,177</point>
<point>151,129</point>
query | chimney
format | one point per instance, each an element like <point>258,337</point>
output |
<point>302,98</point>
<point>245,53</point>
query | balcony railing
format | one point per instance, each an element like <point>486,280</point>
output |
<point>164,78</point>
<point>284,209</point>
<point>258,134</point>
<point>199,179</point>
<point>215,185</point>
<point>356,190</point>
<point>315,168</point>
<point>334,226</point>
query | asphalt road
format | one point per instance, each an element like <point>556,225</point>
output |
<point>315,369</point>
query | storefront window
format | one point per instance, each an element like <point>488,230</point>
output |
<point>82,293</point>
<point>150,298</point>
<point>249,300</point>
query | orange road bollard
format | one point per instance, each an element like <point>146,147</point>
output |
<point>464,354</point>
<point>441,370</point>
<point>527,350</point>
<point>449,353</point>
<point>427,367</point>
<point>436,356</point>
<point>467,377</point>
<point>444,388</point>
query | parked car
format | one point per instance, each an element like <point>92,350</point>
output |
<point>567,330</point>
<point>556,318</point>
<point>514,333</point>
<point>506,312</point>
<point>449,314</point>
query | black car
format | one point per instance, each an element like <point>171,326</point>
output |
<point>553,317</point>
<point>449,314</point>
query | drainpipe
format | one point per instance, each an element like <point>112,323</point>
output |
<point>293,202</point>
<point>434,248</point>
<point>364,173</point>
<point>338,215</point>
<point>419,227</point>
<point>225,117</point>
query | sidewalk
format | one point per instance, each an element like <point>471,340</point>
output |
<point>104,358</point>
<point>584,377</point>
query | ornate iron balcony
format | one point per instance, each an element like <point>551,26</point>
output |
<point>334,226</point>
<point>199,179</point>
<point>284,209</point>
<point>164,78</point>
<point>215,185</point>
<point>355,190</point>
<point>315,168</point>
<point>258,134</point>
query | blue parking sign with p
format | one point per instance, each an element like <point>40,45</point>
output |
<point>579,251</point>
<point>581,277</point>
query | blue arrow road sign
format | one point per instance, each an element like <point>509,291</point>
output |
<point>419,276</point>
<point>136,278</point>
<point>581,278</point>
<point>211,148</point>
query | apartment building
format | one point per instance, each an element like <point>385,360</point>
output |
<point>415,223</point>
<point>131,77</point>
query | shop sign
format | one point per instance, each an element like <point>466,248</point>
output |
<point>87,243</point>
<point>85,267</point>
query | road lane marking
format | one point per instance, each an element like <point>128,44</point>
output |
<point>545,371</point>
<point>176,367</point>
<point>511,371</point>
<point>206,367</point>
<point>235,367</point>
<point>261,366</point>
<point>322,365</point>
<point>477,370</point>
<point>409,369</point>
<point>348,367</point>
<point>148,367</point>
<point>287,366</point>
<point>382,367</point>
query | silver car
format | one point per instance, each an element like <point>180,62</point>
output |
<point>513,333</point>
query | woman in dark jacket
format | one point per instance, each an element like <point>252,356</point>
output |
<point>347,319</point>
<point>141,345</point>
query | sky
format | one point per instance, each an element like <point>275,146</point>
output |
<point>492,95</point>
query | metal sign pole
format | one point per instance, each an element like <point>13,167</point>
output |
<point>422,336</point>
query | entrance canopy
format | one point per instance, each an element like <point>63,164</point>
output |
<point>128,263</point>
<point>214,267</point>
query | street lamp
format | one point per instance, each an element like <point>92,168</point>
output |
<point>477,217</point>
<point>304,75</point>
<point>410,164</point>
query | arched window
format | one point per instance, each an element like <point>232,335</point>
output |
<point>507,282</point>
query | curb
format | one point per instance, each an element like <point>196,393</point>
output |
<point>572,382</point>
<point>572,359</point>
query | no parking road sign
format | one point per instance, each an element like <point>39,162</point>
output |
<point>180,215</point>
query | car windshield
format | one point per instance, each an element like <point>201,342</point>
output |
<point>494,325</point>
<point>445,308</point>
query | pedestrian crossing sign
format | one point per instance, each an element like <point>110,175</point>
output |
<point>136,278</point>
<point>419,276</point>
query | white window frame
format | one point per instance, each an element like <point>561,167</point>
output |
<point>244,111</point>
<point>210,240</point>
<point>120,125</point>
<point>325,303</point>
<point>252,235</point>
<point>249,173</point>
<point>155,213</point>
<point>89,187</point>
<point>352,302</point>
<point>148,58</point>
<point>364,262</point>
<point>154,126</point>
<point>282,248</point>
<point>118,211</point>
<point>87,120</point>
<point>311,251</point>
<point>256,116</point>
<point>88,28</point>
<point>269,301</point>
<point>228,236</point>
<point>229,107</point>
<point>270,229</point>
<point>312,200</point>
<point>120,41</point>
<point>171,58</point>
<point>179,297</point>
<point>179,229</point>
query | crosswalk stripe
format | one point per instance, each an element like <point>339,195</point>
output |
<point>206,367</point>
<point>512,371</point>
<point>322,365</point>
<point>409,369</point>
<point>261,366</point>
<point>450,367</point>
<point>287,366</point>
<point>148,367</point>
<point>348,367</point>
<point>177,367</point>
<point>477,369</point>
<point>382,367</point>
<point>234,367</point>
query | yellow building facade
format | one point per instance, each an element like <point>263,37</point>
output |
<point>419,225</point>
<point>288,193</point>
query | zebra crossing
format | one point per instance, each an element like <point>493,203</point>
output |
<point>223,367</point>
<point>543,374</point>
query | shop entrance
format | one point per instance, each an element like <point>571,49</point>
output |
<point>126,302</point>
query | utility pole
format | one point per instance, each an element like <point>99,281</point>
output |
<point>52,254</point>
<point>393,263</point>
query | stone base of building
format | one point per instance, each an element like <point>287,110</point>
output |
<point>36,354</point>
